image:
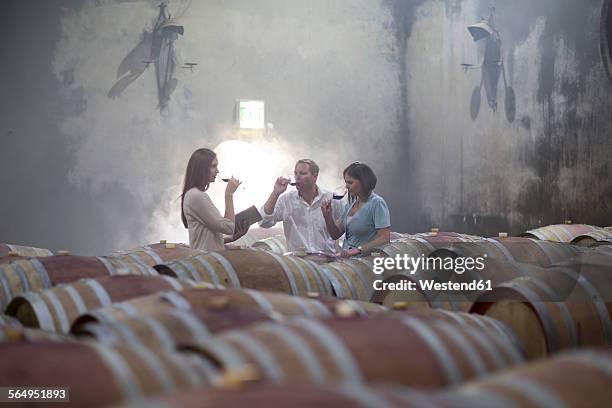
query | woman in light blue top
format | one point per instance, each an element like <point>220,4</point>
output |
<point>365,220</point>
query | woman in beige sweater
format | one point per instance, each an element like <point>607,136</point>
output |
<point>200,216</point>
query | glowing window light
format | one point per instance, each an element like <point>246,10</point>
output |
<point>251,114</point>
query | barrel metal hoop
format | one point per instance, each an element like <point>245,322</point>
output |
<point>288,273</point>
<point>108,265</point>
<point>59,310</point>
<point>541,311</point>
<point>156,367</point>
<point>473,357</point>
<point>23,277</point>
<point>258,351</point>
<point>228,268</point>
<point>349,282</point>
<point>338,288</point>
<point>176,285</point>
<point>445,359</point>
<point>596,298</point>
<point>305,277</point>
<point>263,302</point>
<point>41,310</point>
<point>99,290</point>
<point>323,284</point>
<point>42,273</point>
<point>76,298</point>
<point>300,347</point>
<point>160,331</point>
<point>124,375</point>
<point>190,268</point>
<point>197,328</point>
<point>336,348</point>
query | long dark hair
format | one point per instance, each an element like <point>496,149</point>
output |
<point>197,174</point>
<point>364,174</point>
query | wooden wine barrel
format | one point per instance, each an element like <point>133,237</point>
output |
<point>468,320</point>
<point>253,269</point>
<point>443,238</point>
<point>156,253</point>
<point>42,273</point>
<point>304,396</point>
<point>554,309</point>
<point>98,375</point>
<point>372,350</point>
<point>578,379</point>
<point>410,247</point>
<point>168,328</point>
<point>350,279</point>
<point>55,309</point>
<point>257,234</point>
<point>579,234</point>
<point>24,251</point>
<point>276,244</point>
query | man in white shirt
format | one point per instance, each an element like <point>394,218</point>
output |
<point>300,210</point>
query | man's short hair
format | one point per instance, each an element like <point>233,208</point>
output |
<point>312,166</point>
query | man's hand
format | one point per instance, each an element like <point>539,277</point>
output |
<point>326,209</point>
<point>281,185</point>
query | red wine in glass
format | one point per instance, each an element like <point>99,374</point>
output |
<point>339,193</point>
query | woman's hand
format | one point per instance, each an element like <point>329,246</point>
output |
<point>240,229</point>
<point>326,209</point>
<point>347,253</point>
<point>232,186</point>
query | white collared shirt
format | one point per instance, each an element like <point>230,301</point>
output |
<point>303,223</point>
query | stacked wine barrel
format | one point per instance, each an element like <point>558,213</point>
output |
<point>254,324</point>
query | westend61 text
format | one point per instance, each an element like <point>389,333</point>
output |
<point>411,264</point>
<point>428,285</point>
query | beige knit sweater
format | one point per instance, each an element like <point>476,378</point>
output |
<point>205,224</point>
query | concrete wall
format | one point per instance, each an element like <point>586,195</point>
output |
<point>553,162</point>
<point>371,80</point>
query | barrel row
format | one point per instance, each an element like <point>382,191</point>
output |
<point>579,234</point>
<point>572,380</point>
<point>419,353</point>
<point>26,275</point>
<point>55,309</point>
<point>522,250</point>
<point>154,254</point>
<point>163,320</point>
<point>98,375</point>
<point>253,269</point>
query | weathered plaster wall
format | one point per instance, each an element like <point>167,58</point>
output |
<point>554,161</point>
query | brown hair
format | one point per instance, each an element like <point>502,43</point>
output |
<point>312,166</point>
<point>364,174</point>
<point>197,174</point>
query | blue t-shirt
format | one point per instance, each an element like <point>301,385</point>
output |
<point>361,228</point>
